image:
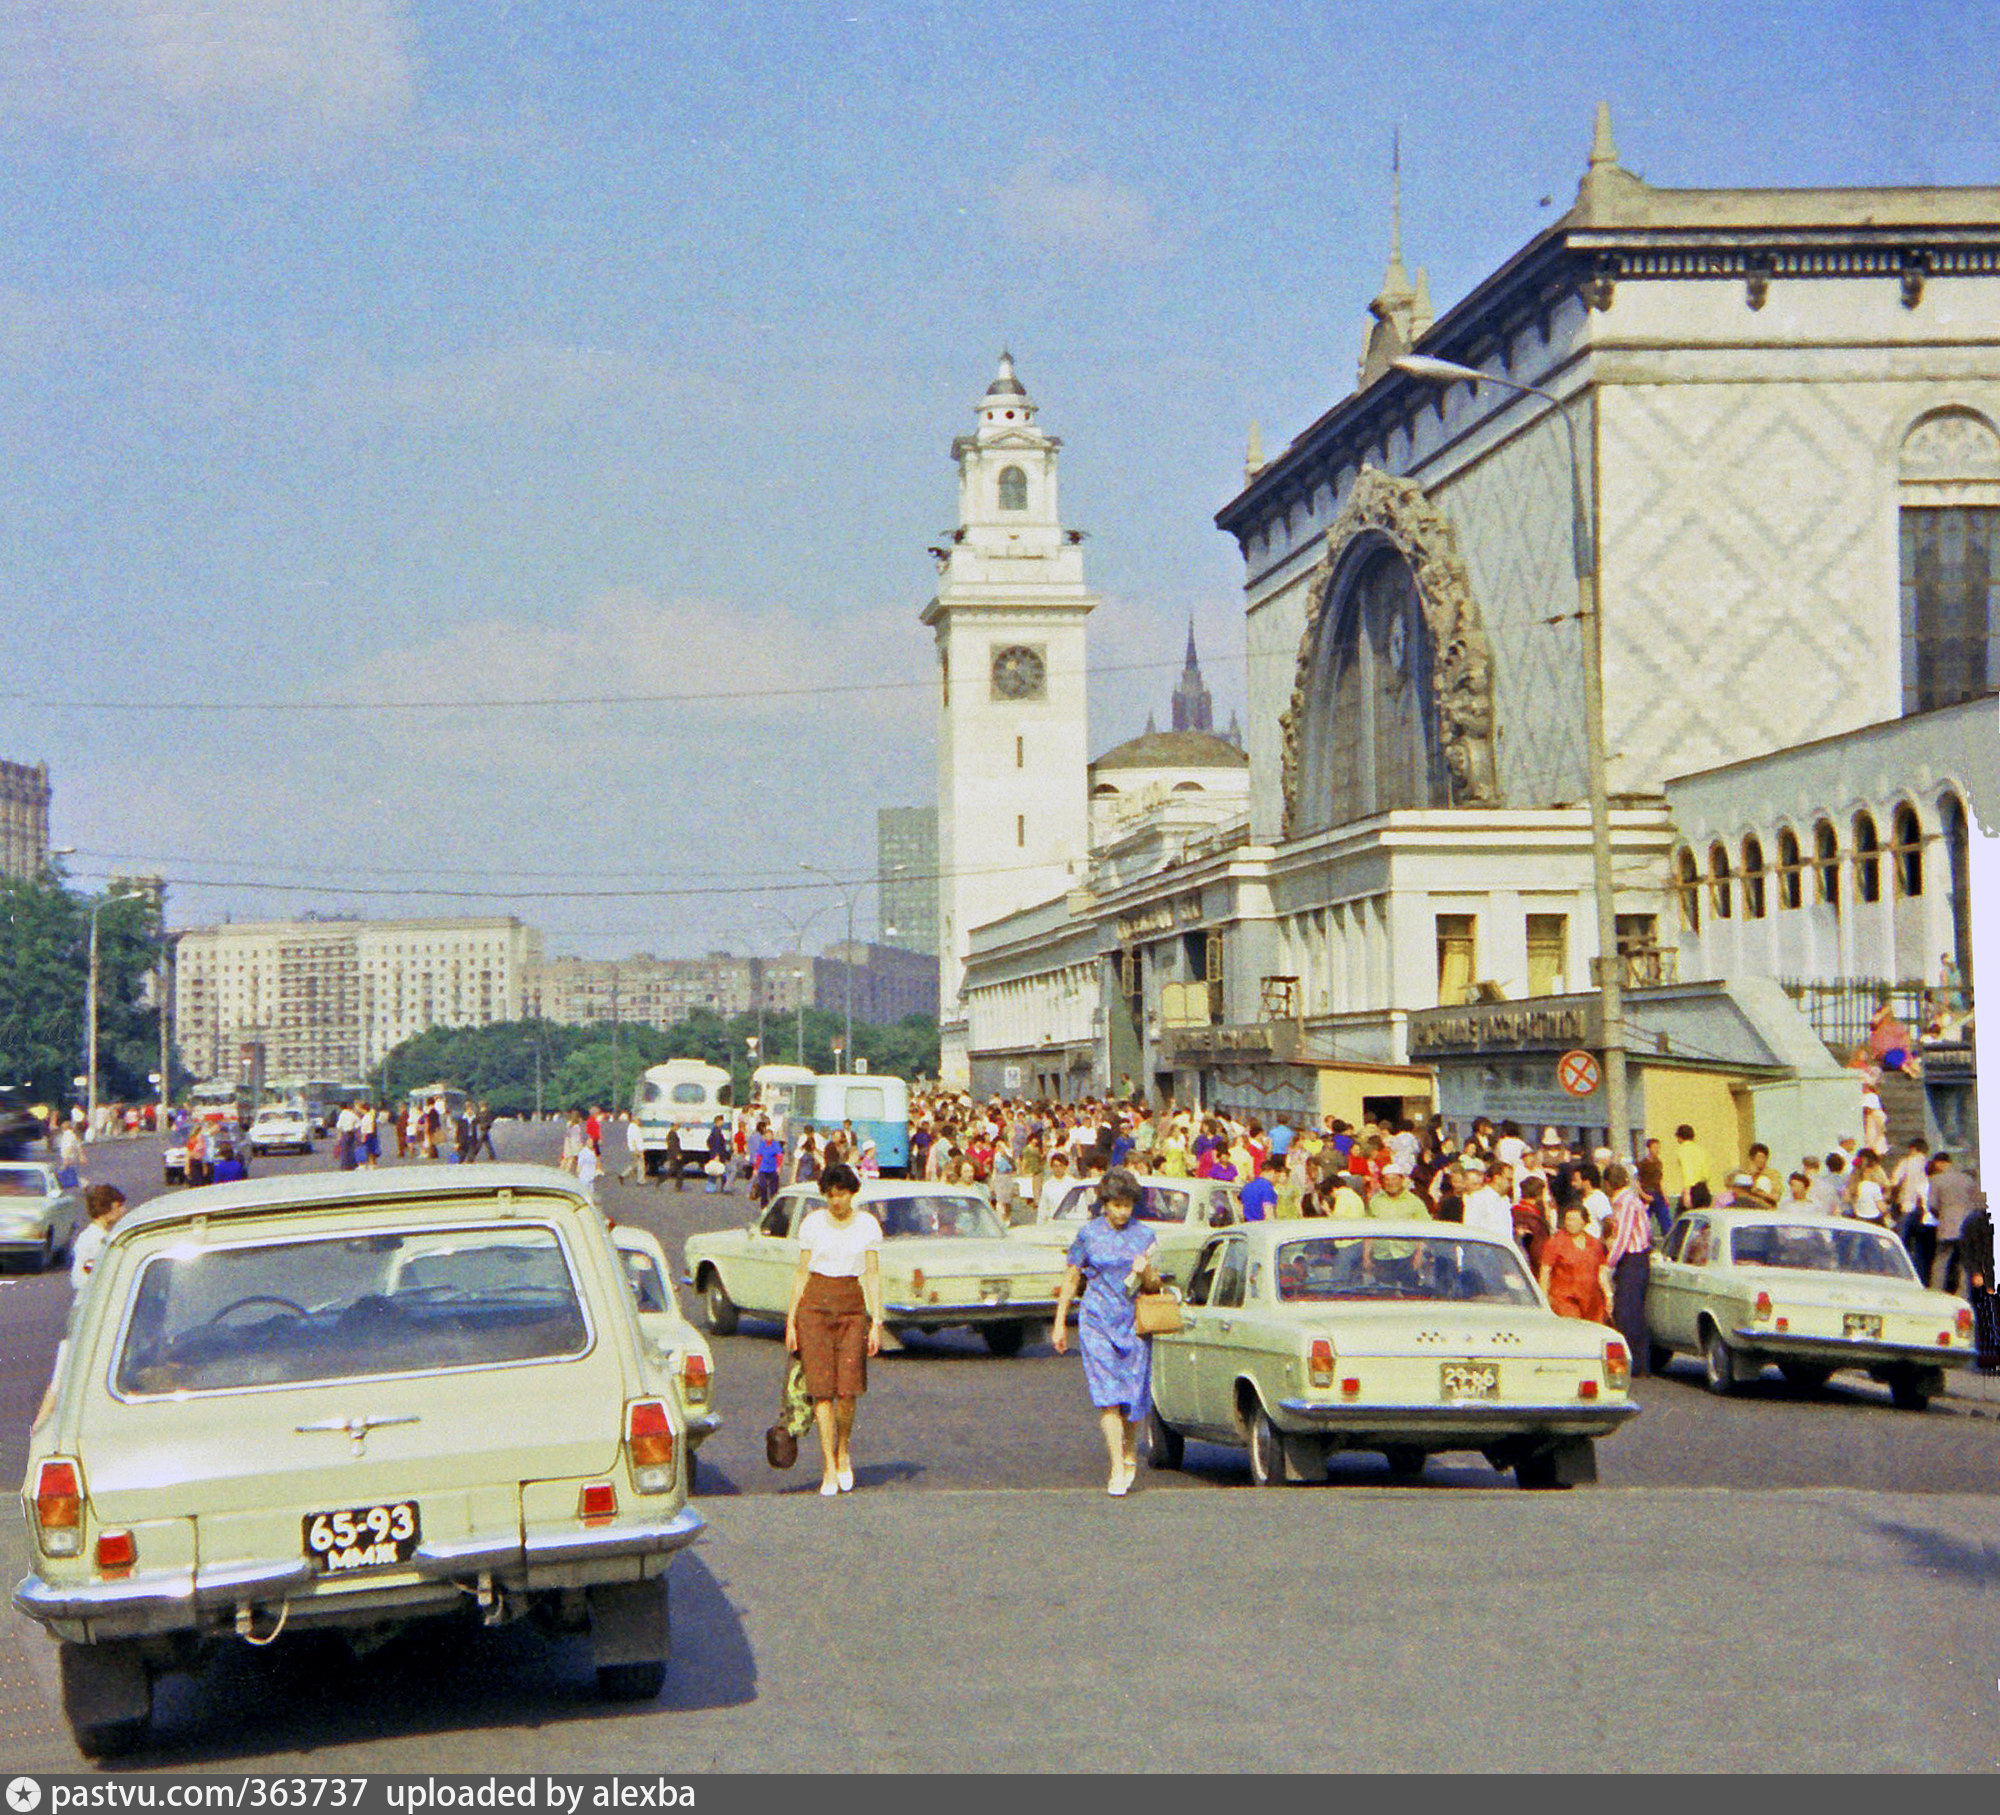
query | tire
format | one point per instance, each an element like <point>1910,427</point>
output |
<point>1165,1446</point>
<point>1909,1391</point>
<point>1267,1455</point>
<point>45,1262</point>
<point>1719,1367</point>
<point>631,1682</point>
<point>1657,1358</point>
<point>1406,1460</point>
<point>1807,1376</point>
<point>1536,1472</point>
<point>107,1694</point>
<point>718,1308</point>
<point>1004,1338</point>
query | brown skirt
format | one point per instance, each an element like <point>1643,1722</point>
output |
<point>833,1337</point>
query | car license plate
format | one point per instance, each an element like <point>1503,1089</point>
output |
<point>995,1291</point>
<point>1469,1379</point>
<point>1860,1323</point>
<point>362,1537</point>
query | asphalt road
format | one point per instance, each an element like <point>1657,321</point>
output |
<point>1746,1576</point>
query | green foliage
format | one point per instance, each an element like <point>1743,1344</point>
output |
<point>44,977</point>
<point>582,1066</point>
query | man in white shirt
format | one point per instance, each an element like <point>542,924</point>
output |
<point>106,1204</point>
<point>1056,1183</point>
<point>1490,1209</point>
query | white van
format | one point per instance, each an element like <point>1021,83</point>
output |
<point>687,1094</point>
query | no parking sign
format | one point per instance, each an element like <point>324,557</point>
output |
<point>1577,1073</point>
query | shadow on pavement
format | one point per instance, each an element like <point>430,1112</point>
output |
<point>312,1691</point>
<point>1940,1554</point>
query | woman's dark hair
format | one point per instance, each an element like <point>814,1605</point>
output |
<point>1120,1183</point>
<point>1699,1195</point>
<point>839,1177</point>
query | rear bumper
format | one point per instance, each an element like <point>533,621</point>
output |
<point>1471,1426</point>
<point>1848,1351</point>
<point>945,1317</point>
<point>189,1601</point>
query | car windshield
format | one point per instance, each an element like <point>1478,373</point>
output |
<point>1336,1267</point>
<point>1820,1247</point>
<point>346,1307</point>
<point>23,1181</point>
<point>1157,1204</point>
<point>934,1214</point>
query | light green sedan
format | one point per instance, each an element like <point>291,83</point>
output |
<point>946,1261</point>
<point>1306,1337</point>
<point>1181,1212</point>
<point>1742,1289</point>
<point>348,1401</point>
<point>40,1219</point>
<point>689,1360</point>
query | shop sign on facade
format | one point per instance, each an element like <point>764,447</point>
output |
<point>1161,917</point>
<point>1553,1026</point>
<point>1277,1041</point>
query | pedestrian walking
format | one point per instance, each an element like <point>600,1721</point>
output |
<point>1975,1255</point>
<point>483,1121</point>
<point>346,1132</point>
<point>104,1204</point>
<point>1575,1272</point>
<point>1952,1197</point>
<point>1110,1263</point>
<point>1628,1251</point>
<point>671,1158</point>
<point>833,1322</point>
<point>717,1168</point>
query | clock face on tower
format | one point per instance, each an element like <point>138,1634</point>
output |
<point>1019,673</point>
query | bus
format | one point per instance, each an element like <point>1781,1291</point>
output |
<point>877,1105</point>
<point>687,1094</point>
<point>774,1089</point>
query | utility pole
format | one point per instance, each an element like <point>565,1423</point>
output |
<point>90,1011</point>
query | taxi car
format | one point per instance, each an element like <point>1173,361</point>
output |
<point>39,1217</point>
<point>1304,1337</point>
<point>274,1128</point>
<point>1181,1212</point>
<point>947,1260</point>
<point>347,1402</point>
<point>1742,1289</point>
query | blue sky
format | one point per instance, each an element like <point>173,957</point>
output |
<point>387,351</point>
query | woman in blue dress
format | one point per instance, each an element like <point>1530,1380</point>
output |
<point>1109,1262</point>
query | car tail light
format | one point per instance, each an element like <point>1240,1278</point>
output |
<point>59,1508</point>
<point>1586,1389</point>
<point>116,1553</point>
<point>1965,1324</point>
<point>597,1503</point>
<point>1319,1362</point>
<point>1784,1323</point>
<point>1617,1366</point>
<point>694,1380</point>
<point>649,1439</point>
<point>1763,1305</point>
<point>1351,1387</point>
<point>1944,1339</point>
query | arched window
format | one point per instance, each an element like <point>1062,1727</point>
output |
<point>1753,878</point>
<point>1103,789</point>
<point>1951,814</point>
<point>1013,488</point>
<point>1950,536</point>
<point>1791,877</point>
<point>1909,838</point>
<point>1188,787</point>
<point>1826,863</point>
<point>1718,880</point>
<point>1867,859</point>
<point>1687,888</point>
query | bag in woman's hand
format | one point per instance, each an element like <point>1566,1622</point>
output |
<point>795,1416</point>
<point>1157,1313</point>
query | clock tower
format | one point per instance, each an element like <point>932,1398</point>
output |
<point>1013,811</point>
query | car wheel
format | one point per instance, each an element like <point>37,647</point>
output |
<point>1719,1367</point>
<point>1807,1376</point>
<point>1165,1446</point>
<point>628,1618</point>
<point>631,1682</point>
<point>718,1306</point>
<point>1406,1460</point>
<point>107,1695</point>
<point>1658,1357</point>
<point>46,1260</point>
<point>1536,1471</point>
<point>1005,1338</point>
<point>1267,1451</point>
<point>1908,1390</point>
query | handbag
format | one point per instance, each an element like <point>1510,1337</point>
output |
<point>1157,1313</point>
<point>795,1416</point>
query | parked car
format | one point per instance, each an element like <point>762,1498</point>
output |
<point>689,1360</point>
<point>947,1260</point>
<point>1181,1212</point>
<point>287,1129</point>
<point>39,1219</point>
<point>1301,1338</point>
<point>1743,1289</point>
<point>349,1401</point>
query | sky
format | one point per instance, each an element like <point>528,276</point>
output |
<point>391,389</point>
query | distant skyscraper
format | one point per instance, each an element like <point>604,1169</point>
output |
<point>24,819</point>
<point>906,866</point>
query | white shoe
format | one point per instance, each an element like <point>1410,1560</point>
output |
<point>1121,1484</point>
<point>829,1490</point>
<point>845,1479</point>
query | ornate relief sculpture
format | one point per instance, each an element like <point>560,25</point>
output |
<point>1390,512</point>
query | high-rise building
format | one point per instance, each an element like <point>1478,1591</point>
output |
<point>906,873</point>
<point>24,819</point>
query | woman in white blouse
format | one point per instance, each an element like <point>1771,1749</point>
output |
<point>834,1321</point>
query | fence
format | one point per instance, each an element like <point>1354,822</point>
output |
<point>1840,1010</point>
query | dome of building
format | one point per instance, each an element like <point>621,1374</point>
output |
<point>1172,750</point>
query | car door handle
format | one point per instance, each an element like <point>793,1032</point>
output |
<point>1225,1325</point>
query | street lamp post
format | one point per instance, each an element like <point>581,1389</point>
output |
<point>847,896</point>
<point>1583,556</point>
<point>799,997</point>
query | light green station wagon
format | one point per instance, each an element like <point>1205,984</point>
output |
<point>349,1401</point>
<point>1303,1337</point>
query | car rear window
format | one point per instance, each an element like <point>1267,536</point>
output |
<point>1820,1246</point>
<point>349,1307</point>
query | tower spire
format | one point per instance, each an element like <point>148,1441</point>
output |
<point>1394,306</point>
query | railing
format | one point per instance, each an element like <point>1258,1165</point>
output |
<point>1840,1010</point>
